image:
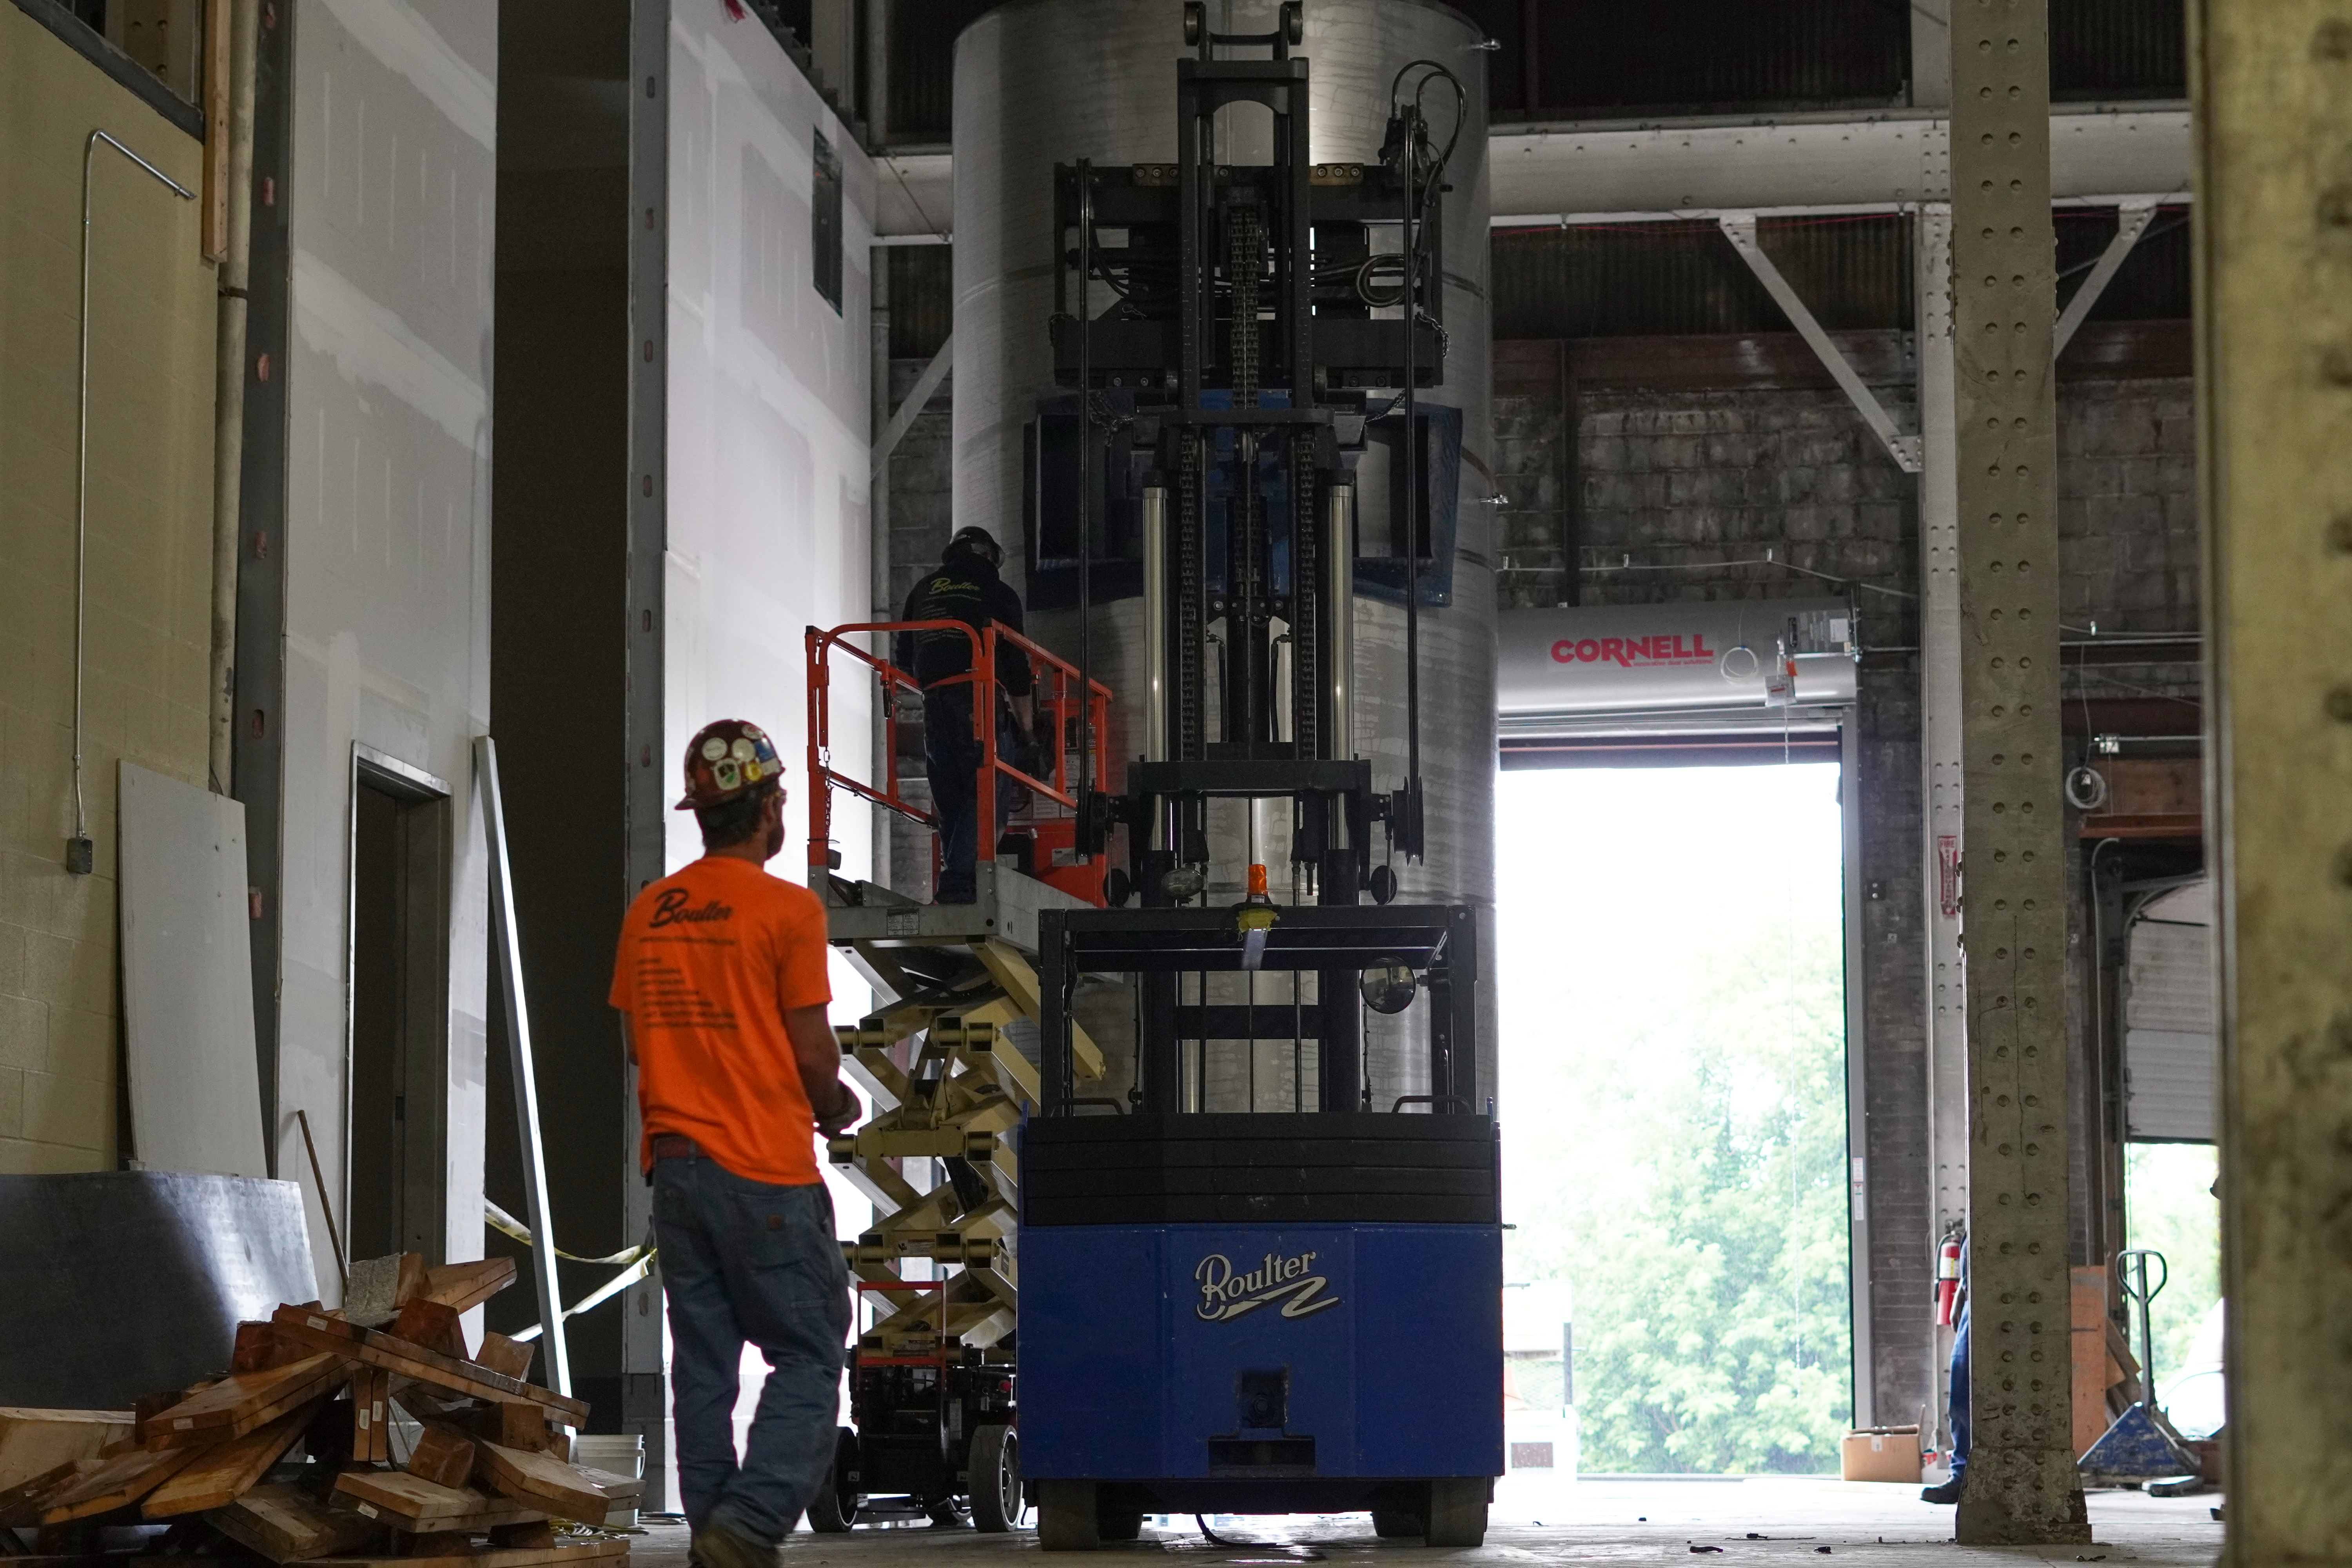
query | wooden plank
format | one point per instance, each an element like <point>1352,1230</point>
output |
<point>371,1414</point>
<point>236,1406</point>
<point>523,1536</point>
<point>219,1474</point>
<point>443,1457</point>
<point>286,1523</point>
<point>616,1551</point>
<point>543,1480</point>
<point>116,1483</point>
<point>442,1372</point>
<point>420,1507</point>
<point>468,1285</point>
<point>431,1326</point>
<point>622,1490</point>
<point>35,1442</point>
<point>508,1358</point>
<point>261,1348</point>
<point>448,1543</point>
<point>513,1424</point>
<point>22,1503</point>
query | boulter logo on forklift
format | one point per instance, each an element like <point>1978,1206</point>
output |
<point>1225,1295</point>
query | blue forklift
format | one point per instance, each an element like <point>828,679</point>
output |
<point>1224,1309</point>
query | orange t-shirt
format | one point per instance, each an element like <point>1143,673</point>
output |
<point>711,957</point>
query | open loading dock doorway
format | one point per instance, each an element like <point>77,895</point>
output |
<point>1678,1058</point>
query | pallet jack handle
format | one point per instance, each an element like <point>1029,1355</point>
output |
<point>2132,1279</point>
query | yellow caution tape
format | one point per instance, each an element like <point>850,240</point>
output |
<point>602,1293</point>
<point>507,1224</point>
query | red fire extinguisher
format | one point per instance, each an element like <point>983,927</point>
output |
<point>1947,1280</point>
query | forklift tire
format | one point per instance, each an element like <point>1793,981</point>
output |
<point>995,1479</point>
<point>1119,1526</point>
<point>1394,1524</point>
<point>1066,1516</point>
<point>835,1508</point>
<point>1457,1511</point>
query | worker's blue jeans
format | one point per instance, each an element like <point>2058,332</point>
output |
<point>742,1261</point>
<point>1961,1412</point>
<point>952,759</point>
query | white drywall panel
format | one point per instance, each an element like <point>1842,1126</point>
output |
<point>392,205</point>
<point>768,438</point>
<point>187,980</point>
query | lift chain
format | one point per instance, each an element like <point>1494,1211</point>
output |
<point>1244,266</point>
<point>1191,596</point>
<point>1305,602</point>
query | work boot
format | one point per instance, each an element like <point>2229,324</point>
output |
<point>715,1546</point>
<point>1950,1492</point>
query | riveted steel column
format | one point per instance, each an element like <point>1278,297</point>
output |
<point>1940,656</point>
<point>2273,80</point>
<point>2021,1484</point>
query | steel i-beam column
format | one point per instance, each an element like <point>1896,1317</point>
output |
<point>1939,749</point>
<point>2273,85</point>
<point>2021,1484</point>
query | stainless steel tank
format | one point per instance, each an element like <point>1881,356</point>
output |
<point>1039,83</point>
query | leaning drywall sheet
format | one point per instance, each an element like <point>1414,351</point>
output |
<point>771,218</point>
<point>187,980</point>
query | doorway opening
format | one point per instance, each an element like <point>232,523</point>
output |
<point>1673,1065</point>
<point>395,1175</point>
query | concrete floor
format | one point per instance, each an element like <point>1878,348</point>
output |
<point>1601,1521</point>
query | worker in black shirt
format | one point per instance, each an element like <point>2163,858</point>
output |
<point>966,588</point>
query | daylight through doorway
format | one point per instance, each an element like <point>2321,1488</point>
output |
<point>1673,1102</point>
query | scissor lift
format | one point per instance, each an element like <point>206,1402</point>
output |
<point>931,1396</point>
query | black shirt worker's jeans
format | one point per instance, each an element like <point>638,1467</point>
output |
<point>952,757</point>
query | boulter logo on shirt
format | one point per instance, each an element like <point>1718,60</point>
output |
<point>669,909</point>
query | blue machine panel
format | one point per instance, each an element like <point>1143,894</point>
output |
<point>1261,1352</point>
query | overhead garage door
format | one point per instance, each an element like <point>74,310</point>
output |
<point>2170,1018</point>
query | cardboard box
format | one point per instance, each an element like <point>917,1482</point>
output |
<point>1881,1454</point>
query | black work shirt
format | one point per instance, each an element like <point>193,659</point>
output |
<point>968,590</point>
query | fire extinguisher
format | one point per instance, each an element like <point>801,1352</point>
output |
<point>1947,1279</point>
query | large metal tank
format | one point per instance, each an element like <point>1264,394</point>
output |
<point>1043,81</point>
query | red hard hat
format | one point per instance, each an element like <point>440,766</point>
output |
<point>727,759</point>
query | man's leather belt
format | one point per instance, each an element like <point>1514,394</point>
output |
<point>676,1146</point>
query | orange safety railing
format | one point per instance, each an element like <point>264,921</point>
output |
<point>1056,700</point>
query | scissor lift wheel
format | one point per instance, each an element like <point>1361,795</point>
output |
<point>835,1508</point>
<point>995,1479</point>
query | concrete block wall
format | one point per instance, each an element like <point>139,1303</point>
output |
<point>2127,505</point>
<point>149,608</point>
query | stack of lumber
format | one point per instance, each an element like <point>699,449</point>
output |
<point>292,1454</point>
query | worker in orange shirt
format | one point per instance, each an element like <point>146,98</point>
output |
<point>720,983</point>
